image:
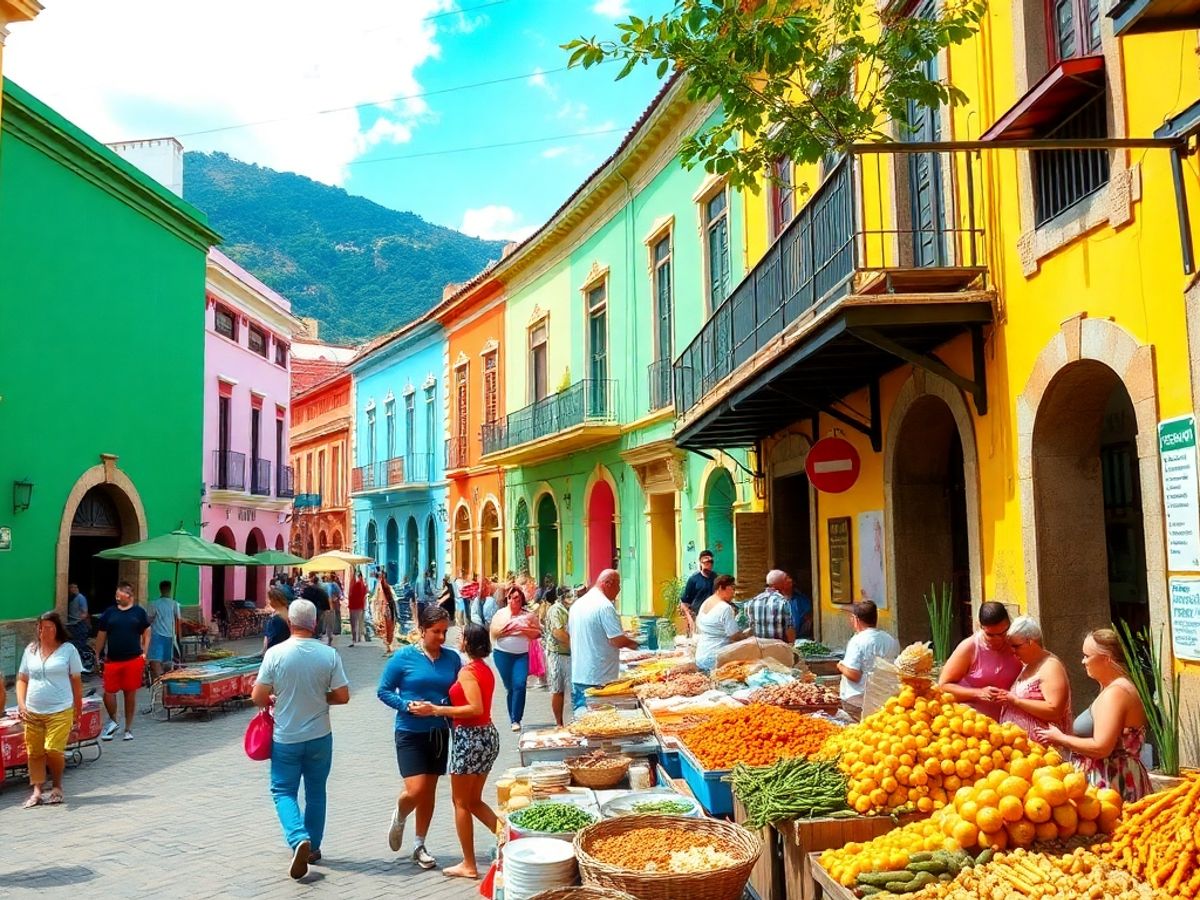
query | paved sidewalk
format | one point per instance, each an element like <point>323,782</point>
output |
<point>180,811</point>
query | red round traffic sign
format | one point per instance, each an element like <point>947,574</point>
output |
<point>832,465</point>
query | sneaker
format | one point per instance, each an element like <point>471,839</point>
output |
<point>299,867</point>
<point>314,857</point>
<point>516,726</point>
<point>128,736</point>
<point>422,858</point>
<point>396,831</point>
<point>110,731</point>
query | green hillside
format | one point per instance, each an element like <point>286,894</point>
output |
<point>358,267</point>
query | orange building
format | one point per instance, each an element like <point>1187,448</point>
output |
<point>322,411</point>
<point>473,318</point>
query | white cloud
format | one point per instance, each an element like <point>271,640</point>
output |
<point>572,110</point>
<point>613,9</point>
<point>554,152</point>
<point>191,65</point>
<point>495,223</point>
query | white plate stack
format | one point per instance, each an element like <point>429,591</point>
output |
<point>535,864</point>
<point>549,777</point>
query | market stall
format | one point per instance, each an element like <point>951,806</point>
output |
<point>219,683</point>
<point>84,740</point>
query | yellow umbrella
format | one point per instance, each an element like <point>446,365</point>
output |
<point>334,560</point>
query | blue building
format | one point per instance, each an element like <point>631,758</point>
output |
<point>398,484</point>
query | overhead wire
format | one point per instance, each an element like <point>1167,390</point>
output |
<point>453,150</point>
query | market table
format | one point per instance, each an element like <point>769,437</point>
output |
<point>826,886</point>
<point>85,735</point>
<point>219,683</point>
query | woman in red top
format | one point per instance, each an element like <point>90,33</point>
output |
<point>474,746</point>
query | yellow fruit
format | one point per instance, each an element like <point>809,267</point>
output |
<point>998,840</point>
<point>1109,816</point>
<point>1053,758</point>
<point>989,820</point>
<point>1053,790</point>
<point>1013,786</point>
<point>964,769</point>
<point>1076,784</point>
<point>862,804</point>
<point>951,783</point>
<point>1046,831</point>
<point>925,805</point>
<point>1088,808</point>
<point>1037,810</point>
<point>968,811</point>
<point>1022,768</point>
<point>965,834</point>
<point>1066,817</point>
<point>1021,833</point>
<point>987,797</point>
<point>1086,828</point>
<point>947,767</point>
<point>1011,808</point>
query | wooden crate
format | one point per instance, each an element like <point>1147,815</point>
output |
<point>824,887</point>
<point>805,839</point>
<point>767,878</point>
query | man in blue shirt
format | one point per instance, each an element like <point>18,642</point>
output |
<point>699,588</point>
<point>801,609</point>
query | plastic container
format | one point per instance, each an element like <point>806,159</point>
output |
<point>639,777</point>
<point>715,795</point>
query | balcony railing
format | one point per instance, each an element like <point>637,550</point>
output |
<point>456,453</point>
<point>229,470</point>
<point>584,402</point>
<point>285,482</point>
<point>260,477</point>
<point>396,471</point>
<point>306,501</point>
<point>818,258</point>
<point>661,376</point>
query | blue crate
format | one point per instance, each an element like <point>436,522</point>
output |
<point>183,688</point>
<point>715,795</point>
<point>669,760</point>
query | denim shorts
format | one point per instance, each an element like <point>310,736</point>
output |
<point>422,752</point>
<point>162,648</point>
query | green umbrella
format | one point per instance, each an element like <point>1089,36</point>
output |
<point>278,558</point>
<point>180,547</point>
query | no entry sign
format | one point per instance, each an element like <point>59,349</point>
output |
<point>833,465</point>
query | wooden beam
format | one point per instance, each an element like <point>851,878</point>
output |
<point>976,389</point>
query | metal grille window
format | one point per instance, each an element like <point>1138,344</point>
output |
<point>410,424</point>
<point>1063,178</point>
<point>390,418</point>
<point>716,246</point>
<point>370,443</point>
<point>1074,28</point>
<point>597,313</point>
<point>491,400</point>
<point>258,341</point>
<point>783,194</point>
<point>226,323</point>
<point>538,362</point>
<point>460,401</point>
<point>430,422</point>
<point>281,351</point>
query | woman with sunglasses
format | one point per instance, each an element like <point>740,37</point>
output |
<point>49,702</point>
<point>511,630</point>
<point>983,663</point>
<point>1041,695</point>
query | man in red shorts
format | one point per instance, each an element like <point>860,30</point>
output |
<point>124,631</point>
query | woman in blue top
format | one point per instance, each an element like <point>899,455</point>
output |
<point>421,672</point>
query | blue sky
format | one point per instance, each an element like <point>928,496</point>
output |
<point>200,69</point>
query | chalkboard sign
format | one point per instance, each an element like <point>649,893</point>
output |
<point>841,561</point>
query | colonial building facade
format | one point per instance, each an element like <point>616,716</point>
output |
<point>322,416</point>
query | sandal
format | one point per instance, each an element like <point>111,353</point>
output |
<point>34,800</point>
<point>56,797</point>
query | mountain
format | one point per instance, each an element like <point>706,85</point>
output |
<point>358,267</point>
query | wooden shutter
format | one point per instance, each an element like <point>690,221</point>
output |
<point>750,539</point>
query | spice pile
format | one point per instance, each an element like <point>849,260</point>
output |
<point>1158,839</point>
<point>552,818</point>
<point>789,789</point>
<point>662,850</point>
<point>796,693</point>
<point>756,735</point>
<point>685,684</point>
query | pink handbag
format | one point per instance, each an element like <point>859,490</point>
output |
<point>259,736</point>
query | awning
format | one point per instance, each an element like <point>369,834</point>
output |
<point>1146,16</point>
<point>1048,101</point>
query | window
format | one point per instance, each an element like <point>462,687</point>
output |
<point>664,301</point>
<point>783,194</point>
<point>430,423</point>
<point>1073,27</point>
<point>225,323</point>
<point>390,418</point>
<point>410,406</point>
<point>491,400</point>
<point>281,353</point>
<point>597,333</point>
<point>537,362</point>
<point>371,436</point>
<point>716,247</point>
<point>321,475</point>
<point>308,474</point>
<point>335,486</point>
<point>1063,178</point>
<point>280,438</point>
<point>460,402</point>
<point>258,341</point>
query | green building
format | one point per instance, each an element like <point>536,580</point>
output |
<point>102,311</point>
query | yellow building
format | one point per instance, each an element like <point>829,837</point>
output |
<point>12,11</point>
<point>998,331</point>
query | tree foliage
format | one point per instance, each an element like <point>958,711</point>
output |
<point>802,79</point>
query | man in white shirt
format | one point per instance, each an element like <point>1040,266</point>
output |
<point>166,630</point>
<point>596,637</point>
<point>868,645</point>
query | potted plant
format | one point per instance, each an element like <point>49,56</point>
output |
<point>941,621</point>
<point>1159,693</point>
<point>668,625</point>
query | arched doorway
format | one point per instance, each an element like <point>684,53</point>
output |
<point>1088,509</point>
<point>337,541</point>
<point>719,496</point>
<point>322,541</point>
<point>279,542</point>
<point>372,541</point>
<point>431,553</point>
<point>929,518</point>
<point>521,542</point>
<point>392,558</point>
<point>547,539</point>
<point>489,527</point>
<point>601,530</point>
<point>790,504</point>
<point>462,542</point>
<point>311,547</point>
<point>412,550</point>
<point>96,525</point>
<point>222,578</point>
<point>255,542</point>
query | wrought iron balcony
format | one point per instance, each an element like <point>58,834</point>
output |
<point>457,456</point>
<point>661,379</point>
<point>260,478</point>
<point>229,470</point>
<point>285,482</point>
<point>825,255</point>
<point>396,471</point>
<point>586,403</point>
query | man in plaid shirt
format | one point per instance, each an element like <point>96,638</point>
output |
<point>770,613</point>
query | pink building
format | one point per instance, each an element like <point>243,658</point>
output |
<point>248,485</point>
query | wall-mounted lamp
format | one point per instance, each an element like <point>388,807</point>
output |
<point>22,494</point>
<point>567,501</point>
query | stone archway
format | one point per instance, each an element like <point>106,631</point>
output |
<point>931,505</point>
<point>491,538</point>
<point>127,502</point>
<point>462,542</point>
<point>1091,368</point>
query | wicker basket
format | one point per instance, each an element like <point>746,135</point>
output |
<point>716,884</point>
<point>582,892</point>
<point>599,777</point>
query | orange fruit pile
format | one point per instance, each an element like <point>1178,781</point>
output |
<point>756,735</point>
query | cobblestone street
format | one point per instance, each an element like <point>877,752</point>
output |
<point>181,811</point>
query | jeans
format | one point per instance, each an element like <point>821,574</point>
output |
<point>356,625</point>
<point>514,672</point>
<point>309,760</point>
<point>578,700</point>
